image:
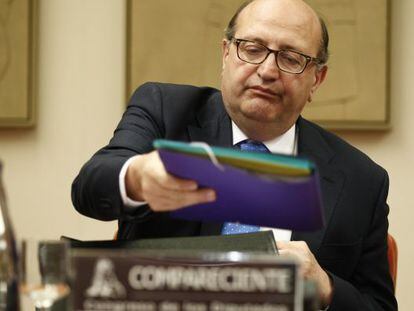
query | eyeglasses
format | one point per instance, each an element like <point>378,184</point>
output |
<point>287,60</point>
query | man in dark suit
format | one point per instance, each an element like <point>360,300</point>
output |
<point>274,59</point>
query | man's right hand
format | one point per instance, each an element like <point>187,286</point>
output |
<point>147,180</point>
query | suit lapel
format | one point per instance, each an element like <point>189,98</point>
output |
<point>213,124</point>
<point>312,145</point>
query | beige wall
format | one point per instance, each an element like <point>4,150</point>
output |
<point>81,84</point>
<point>81,80</point>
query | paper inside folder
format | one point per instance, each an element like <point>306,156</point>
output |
<point>258,162</point>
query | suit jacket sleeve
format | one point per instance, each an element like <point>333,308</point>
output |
<point>370,287</point>
<point>95,191</point>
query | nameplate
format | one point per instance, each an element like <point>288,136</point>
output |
<point>153,281</point>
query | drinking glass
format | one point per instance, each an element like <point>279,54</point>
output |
<point>44,271</point>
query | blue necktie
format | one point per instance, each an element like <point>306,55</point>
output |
<point>234,228</point>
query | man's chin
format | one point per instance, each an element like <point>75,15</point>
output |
<point>262,115</point>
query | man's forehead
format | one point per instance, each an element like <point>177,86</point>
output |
<point>298,6</point>
<point>294,17</point>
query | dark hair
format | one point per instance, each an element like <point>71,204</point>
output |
<point>231,27</point>
<point>323,53</point>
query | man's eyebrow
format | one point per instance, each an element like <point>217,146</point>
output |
<point>255,39</point>
<point>265,43</point>
<point>291,48</point>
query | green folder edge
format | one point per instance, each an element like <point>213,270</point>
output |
<point>258,162</point>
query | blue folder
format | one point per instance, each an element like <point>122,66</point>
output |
<point>287,198</point>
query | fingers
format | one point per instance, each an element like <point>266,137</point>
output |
<point>281,244</point>
<point>174,193</point>
<point>297,245</point>
<point>159,177</point>
<point>309,267</point>
<point>300,251</point>
<point>147,180</point>
<point>172,200</point>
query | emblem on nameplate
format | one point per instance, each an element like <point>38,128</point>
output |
<point>105,283</point>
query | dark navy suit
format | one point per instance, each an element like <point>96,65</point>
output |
<point>352,246</point>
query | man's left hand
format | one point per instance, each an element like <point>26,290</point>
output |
<point>310,268</point>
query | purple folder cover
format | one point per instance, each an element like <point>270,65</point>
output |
<point>248,198</point>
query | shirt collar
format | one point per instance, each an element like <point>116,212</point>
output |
<point>283,144</point>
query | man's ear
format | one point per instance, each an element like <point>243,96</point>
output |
<point>225,48</point>
<point>320,75</point>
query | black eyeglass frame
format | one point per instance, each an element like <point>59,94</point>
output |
<point>308,58</point>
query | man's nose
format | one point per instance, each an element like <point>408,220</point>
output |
<point>268,70</point>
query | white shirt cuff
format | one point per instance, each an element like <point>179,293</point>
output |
<point>122,189</point>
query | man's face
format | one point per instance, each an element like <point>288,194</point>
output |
<point>260,97</point>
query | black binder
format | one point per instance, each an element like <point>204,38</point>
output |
<point>262,241</point>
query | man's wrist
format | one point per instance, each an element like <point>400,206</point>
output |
<point>126,200</point>
<point>326,290</point>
